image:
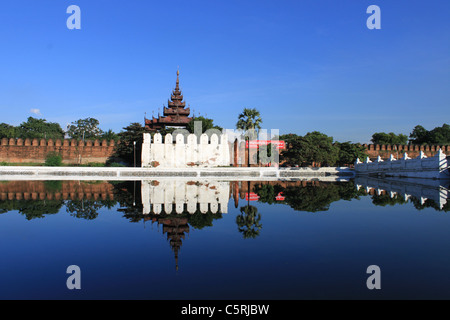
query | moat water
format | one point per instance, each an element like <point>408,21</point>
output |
<point>172,239</point>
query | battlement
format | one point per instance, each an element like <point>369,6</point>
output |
<point>384,150</point>
<point>72,151</point>
<point>187,151</point>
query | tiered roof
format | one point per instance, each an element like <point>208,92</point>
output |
<point>175,114</point>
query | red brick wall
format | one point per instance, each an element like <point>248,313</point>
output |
<point>384,151</point>
<point>72,151</point>
<point>37,190</point>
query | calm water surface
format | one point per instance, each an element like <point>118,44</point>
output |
<point>172,239</point>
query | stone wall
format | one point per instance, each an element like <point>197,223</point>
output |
<point>435,167</point>
<point>385,151</point>
<point>186,152</point>
<point>72,151</point>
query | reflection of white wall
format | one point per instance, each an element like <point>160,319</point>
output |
<point>184,154</point>
<point>171,196</point>
<point>426,189</point>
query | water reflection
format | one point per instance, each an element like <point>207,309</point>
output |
<point>201,202</point>
<point>423,193</point>
<point>177,206</point>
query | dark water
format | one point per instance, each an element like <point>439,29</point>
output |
<point>299,240</point>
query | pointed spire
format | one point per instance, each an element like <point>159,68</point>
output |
<point>177,87</point>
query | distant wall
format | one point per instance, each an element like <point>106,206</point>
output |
<point>385,151</point>
<point>72,151</point>
<point>435,167</point>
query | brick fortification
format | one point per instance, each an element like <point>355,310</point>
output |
<point>413,151</point>
<point>72,151</point>
<point>79,152</point>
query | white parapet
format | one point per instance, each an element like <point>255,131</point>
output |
<point>421,167</point>
<point>186,152</point>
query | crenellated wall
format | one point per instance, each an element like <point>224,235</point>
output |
<point>435,167</point>
<point>384,151</point>
<point>72,151</point>
<point>185,152</point>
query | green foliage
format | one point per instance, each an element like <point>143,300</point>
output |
<point>53,159</point>
<point>249,222</point>
<point>7,131</point>
<point>32,209</point>
<point>109,135</point>
<point>93,164</point>
<point>310,198</point>
<point>389,138</point>
<point>84,129</point>
<point>83,209</point>
<point>125,149</point>
<point>314,148</point>
<point>207,124</point>
<point>249,121</point>
<point>349,152</point>
<point>53,185</point>
<point>437,136</point>
<point>115,164</point>
<point>200,220</point>
<point>267,192</point>
<point>39,129</point>
<point>386,200</point>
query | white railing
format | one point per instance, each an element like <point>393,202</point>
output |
<point>421,167</point>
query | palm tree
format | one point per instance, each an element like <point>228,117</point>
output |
<point>249,121</point>
<point>249,222</point>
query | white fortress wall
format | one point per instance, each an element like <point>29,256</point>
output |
<point>185,152</point>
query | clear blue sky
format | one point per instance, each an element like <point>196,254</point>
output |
<point>305,64</point>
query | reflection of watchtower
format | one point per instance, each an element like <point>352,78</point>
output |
<point>175,228</point>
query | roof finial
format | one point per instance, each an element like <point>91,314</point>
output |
<point>177,87</point>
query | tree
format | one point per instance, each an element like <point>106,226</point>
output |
<point>315,148</point>
<point>84,129</point>
<point>249,121</point>
<point>40,129</point>
<point>389,138</point>
<point>109,135</point>
<point>7,131</point>
<point>349,152</point>
<point>437,136</point>
<point>83,209</point>
<point>206,123</point>
<point>249,222</point>
<point>131,143</point>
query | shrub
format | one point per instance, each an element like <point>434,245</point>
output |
<point>116,164</point>
<point>53,159</point>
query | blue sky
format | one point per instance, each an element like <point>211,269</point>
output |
<point>305,65</point>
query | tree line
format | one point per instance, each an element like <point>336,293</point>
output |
<point>312,149</point>
<point>33,128</point>
<point>419,136</point>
